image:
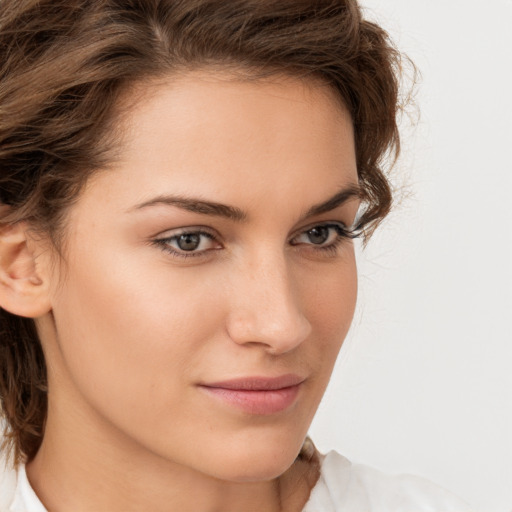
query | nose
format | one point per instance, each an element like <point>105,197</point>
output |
<point>266,307</point>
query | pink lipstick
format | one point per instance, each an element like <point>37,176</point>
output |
<point>257,395</point>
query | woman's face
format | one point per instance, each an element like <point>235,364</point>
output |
<point>208,283</point>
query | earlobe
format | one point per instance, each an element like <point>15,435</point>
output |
<point>23,283</point>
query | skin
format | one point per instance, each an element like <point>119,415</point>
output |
<point>129,330</point>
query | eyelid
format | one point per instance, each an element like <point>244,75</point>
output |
<point>170,233</point>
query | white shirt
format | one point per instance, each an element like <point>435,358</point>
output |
<point>342,487</point>
<point>347,487</point>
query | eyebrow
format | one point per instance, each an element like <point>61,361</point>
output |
<point>196,206</point>
<point>203,207</point>
<point>350,192</point>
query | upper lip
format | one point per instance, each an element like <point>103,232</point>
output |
<point>258,383</point>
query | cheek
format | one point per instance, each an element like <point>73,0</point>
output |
<point>330,302</point>
<point>331,299</point>
<point>127,332</point>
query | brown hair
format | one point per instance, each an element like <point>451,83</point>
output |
<point>64,65</point>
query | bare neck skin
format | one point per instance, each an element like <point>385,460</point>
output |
<point>68,474</point>
<point>91,485</point>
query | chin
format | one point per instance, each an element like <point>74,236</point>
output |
<point>255,460</point>
<point>255,470</point>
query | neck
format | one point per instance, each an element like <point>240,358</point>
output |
<point>82,466</point>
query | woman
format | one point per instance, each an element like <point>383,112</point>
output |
<point>181,183</point>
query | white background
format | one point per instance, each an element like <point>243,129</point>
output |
<point>424,382</point>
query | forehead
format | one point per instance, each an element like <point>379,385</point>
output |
<point>207,134</point>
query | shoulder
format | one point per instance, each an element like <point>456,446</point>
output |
<point>354,487</point>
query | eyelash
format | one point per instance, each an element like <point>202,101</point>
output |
<point>343,234</point>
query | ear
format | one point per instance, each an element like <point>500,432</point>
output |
<point>24,280</point>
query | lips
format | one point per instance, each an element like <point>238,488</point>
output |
<point>256,395</point>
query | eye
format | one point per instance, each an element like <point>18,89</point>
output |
<point>324,239</point>
<point>322,235</point>
<point>188,243</point>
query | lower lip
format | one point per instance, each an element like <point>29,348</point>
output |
<point>263,402</point>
